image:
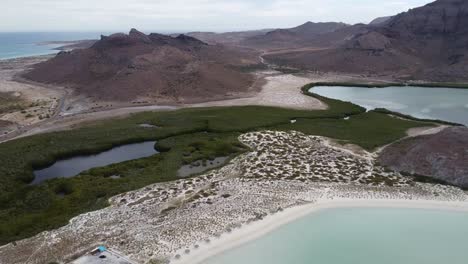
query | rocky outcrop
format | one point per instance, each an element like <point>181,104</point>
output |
<point>374,41</point>
<point>428,43</point>
<point>442,17</point>
<point>443,156</point>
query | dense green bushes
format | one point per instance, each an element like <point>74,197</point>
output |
<point>182,136</point>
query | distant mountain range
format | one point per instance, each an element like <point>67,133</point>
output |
<point>229,38</point>
<point>428,43</point>
<point>293,37</point>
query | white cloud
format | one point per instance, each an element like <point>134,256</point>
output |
<point>181,15</point>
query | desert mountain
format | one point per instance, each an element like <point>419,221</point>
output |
<point>228,38</point>
<point>296,37</point>
<point>429,43</point>
<point>311,29</point>
<point>125,67</point>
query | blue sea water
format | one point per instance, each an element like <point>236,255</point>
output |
<point>24,44</point>
<point>360,236</point>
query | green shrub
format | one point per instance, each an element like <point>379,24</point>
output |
<point>203,133</point>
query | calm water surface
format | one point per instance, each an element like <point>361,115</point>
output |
<point>74,166</point>
<point>361,236</point>
<point>433,103</point>
<point>23,44</point>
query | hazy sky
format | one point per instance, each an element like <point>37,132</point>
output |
<point>188,15</point>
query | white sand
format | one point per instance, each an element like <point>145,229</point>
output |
<point>422,131</point>
<point>279,91</point>
<point>260,228</point>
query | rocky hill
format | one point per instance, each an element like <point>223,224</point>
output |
<point>443,156</point>
<point>424,43</point>
<point>299,36</point>
<point>126,67</point>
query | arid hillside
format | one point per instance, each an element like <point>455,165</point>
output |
<point>228,38</point>
<point>125,67</point>
<point>442,156</point>
<point>300,36</point>
<point>424,43</point>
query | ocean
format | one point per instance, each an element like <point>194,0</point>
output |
<point>24,44</point>
<point>360,236</point>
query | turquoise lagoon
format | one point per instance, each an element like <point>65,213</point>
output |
<point>446,104</point>
<point>360,236</point>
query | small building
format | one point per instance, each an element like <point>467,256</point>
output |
<point>103,255</point>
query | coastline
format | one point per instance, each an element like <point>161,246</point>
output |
<point>270,223</point>
<point>30,56</point>
<point>383,84</point>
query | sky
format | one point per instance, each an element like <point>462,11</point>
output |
<point>188,15</point>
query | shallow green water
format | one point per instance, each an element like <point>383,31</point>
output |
<point>361,236</point>
<point>433,103</point>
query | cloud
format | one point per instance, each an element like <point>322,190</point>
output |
<point>181,15</point>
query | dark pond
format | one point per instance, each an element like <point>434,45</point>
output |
<point>73,166</point>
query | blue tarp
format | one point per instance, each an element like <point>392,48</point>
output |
<point>102,248</point>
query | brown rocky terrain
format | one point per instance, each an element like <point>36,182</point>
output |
<point>126,67</point>
<point>273,39</point>
<point>300,36</point>
<point>228,38</point>
<point>443,156</point>
<point>424,43</point>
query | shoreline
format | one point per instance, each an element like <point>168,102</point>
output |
<point>30,56</point>
<point>308,89</point>
<point>411,84</point>
<point>255,230</point>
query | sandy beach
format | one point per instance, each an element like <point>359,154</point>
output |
<point>253,194</point>
<point>270,223</point>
